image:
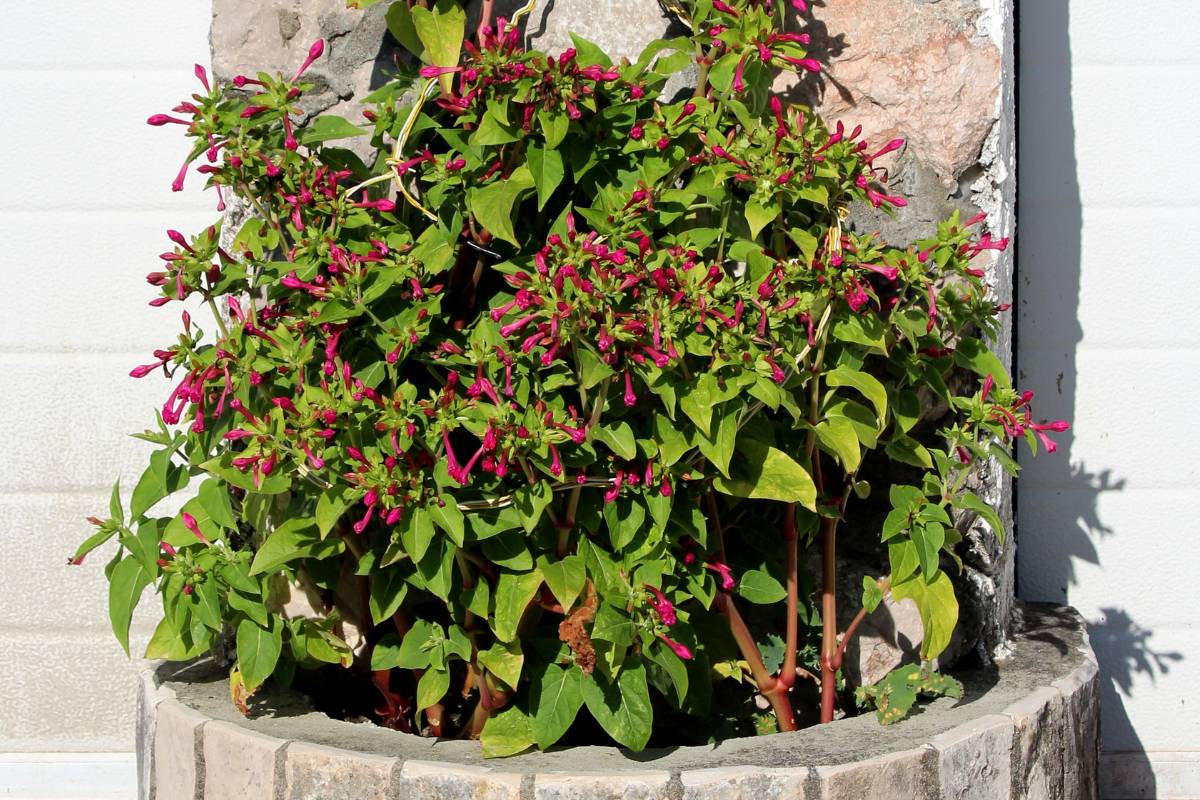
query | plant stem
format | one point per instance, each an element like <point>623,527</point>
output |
<point>828,616</point>
<point>216,316</point>
<point>774,690</point>
<point>850,631</point>
<point>715,516</point>
<point>787,673</point>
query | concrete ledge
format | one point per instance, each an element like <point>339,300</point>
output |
<point>1028,728</point>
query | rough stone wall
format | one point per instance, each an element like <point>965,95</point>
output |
<point>937,73</point>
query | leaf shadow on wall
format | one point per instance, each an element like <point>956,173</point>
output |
<point>1058,501</point>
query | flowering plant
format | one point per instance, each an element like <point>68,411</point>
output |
<point>541,408</point>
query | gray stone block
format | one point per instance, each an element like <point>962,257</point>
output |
<point>316,772</point>
<point>176,769</point>
<point>908,773</point>
<point>736,783</point>
<point>240,764</point>
<point>1037,748</point>
<point>975,759</point>
<point>430,780</point>
<point>648,785</point>
<point>1081,754</point>
<point>147,699</point>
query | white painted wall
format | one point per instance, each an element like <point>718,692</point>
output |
<point>1109,103</point>
<point>84,201</point>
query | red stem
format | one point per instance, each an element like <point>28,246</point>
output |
<point>828,617</point>
<point>850,631</point>
<point>772,689</point>
<point>787,673</point>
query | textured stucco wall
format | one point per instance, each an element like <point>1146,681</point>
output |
<point>84,203</point>
<point>1107,337</point>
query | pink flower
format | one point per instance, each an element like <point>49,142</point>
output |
<point>158,120</point>
<point>727,582</point>
<point>1058,426</point>
<point>662,606</point>
<point>679,650</point>
<point>314,52</point>
<point>189,522</point>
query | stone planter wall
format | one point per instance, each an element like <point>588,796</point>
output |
<point>1027,729</point>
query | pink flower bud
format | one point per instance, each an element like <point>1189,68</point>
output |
<point>189,522</point>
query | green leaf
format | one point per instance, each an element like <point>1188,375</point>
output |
<point>675,669</point>
<point>622,707</point>
<point>565,577</point>
<point>493,131</point>
<point>838,436</point>
<point>759,216</point>
<point>388,590</point>
<point>450,519</point>
<point>589,53</point>
<point>416,533</point>
<point>972,502</point>
<point>493,204</point>
<point>619,438</point>
<point>441,32</point>
<point>207,604</point>
<point>895,695</point>
<point>400,25</point>
<point>411,652</point>
<point>504,660</point>
<point>866,329</point>
<point>872,595</point>
<point>295,538</point>
<point>160,479</point>
<point>514,591</point>
<point>258,651</point>
<point>506,733</point>
<point>867,385</point>
<point>509,550</point>
<point>531,501</point>
<point>557,697</point>
<point>328,127</point>
<point>698,402</point>
<point>92,542</point>
<point>975,356</point>
<point>906,409</point>
<point>114,504</point>
<point>125,585</point>
<point>432,687</point>
<point>929,539</point>
<point>554,125</point>
<point>548,170</point>
<point>908,450</point>
<point>331,505</point>
<point>612,625</point>
<point>214,499</point>
<point>938,607</point>
<point>759,587</point>
<point>624,520</point>
<point>672,442</point>
<point>718,448</point>
<point>768,473</point>
<point>902,560</point>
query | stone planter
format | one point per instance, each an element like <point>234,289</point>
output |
<point>1028,728</point>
